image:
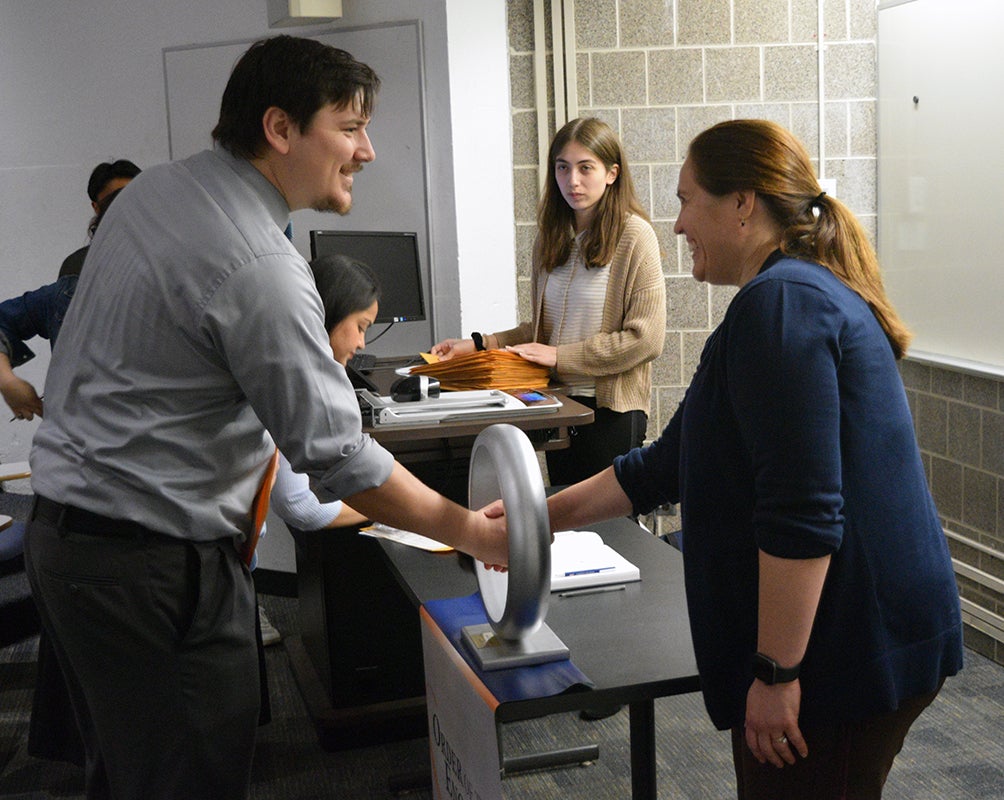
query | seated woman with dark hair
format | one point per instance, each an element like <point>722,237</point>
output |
<point>350,294</point>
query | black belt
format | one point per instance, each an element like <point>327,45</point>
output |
<point>79,520</point>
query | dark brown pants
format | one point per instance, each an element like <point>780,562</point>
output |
<point>845,762</point>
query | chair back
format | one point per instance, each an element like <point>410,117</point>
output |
<point>259,508</point>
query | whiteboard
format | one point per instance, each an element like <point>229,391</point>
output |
<point>940,171</point>
<point>388,195</point>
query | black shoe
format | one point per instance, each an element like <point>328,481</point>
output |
<point>599,712</point>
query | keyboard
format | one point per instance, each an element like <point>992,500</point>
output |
<point>363,362</point>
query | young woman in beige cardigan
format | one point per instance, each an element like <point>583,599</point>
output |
<point>599,298</point>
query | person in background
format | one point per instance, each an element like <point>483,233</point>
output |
<point>106,178</point>
<point>40,312</point>
<point>599,298</point>
<point>196,345</point>
<point>824,611</point>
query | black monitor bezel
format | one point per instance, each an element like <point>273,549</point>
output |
<point>386,314</point>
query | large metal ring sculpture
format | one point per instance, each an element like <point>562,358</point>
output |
<point>504,465</point>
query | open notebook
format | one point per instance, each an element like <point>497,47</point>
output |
<point>581,558</point>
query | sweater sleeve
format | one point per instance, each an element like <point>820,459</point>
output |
<point>519,335</point>
<point>650,476</point>
<point>783,354</point>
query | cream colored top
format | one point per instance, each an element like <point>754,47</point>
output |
<point>572,311</point>
<point>632,329</point>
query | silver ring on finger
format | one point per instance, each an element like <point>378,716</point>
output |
<point>782,739</point>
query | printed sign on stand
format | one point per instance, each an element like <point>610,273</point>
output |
<point>463,739</point>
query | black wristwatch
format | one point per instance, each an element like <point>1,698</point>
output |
<point>479,341</point>
<point>770,672</point>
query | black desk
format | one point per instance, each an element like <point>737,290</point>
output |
<point>634,645</point>
<point>358,658</point>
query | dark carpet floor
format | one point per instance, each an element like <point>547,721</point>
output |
<point>954,752</point>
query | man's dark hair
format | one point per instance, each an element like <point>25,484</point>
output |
<point>297,75</point>
<point>109,170</point>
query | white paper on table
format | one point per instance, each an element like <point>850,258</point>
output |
<point>581,558</point>
<point>380,531</point>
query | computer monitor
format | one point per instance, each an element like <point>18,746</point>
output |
<point>393,257</point>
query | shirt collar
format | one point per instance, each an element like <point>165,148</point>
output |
<point>275,204</point>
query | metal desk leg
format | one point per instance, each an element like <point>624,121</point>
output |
<point>565,757</point>
<point>642,727</point>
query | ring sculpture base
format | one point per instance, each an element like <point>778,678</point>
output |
<point>493,652</point>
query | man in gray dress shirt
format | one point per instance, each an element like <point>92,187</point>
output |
<point>197,327</point>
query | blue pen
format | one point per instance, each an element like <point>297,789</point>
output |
<point>587,571</point>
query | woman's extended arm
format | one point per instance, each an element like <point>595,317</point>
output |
<point>594,499</point>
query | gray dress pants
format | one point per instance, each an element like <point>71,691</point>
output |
<point>156,637</point>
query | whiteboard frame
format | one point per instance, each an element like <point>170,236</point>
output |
<point>940,234</point>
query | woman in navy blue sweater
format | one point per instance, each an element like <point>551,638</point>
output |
<point>823,606</point>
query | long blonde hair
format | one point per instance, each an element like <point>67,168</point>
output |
<point>752,154</point>
<point>556,219</point>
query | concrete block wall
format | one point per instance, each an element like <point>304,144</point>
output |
<point>660,71</point>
